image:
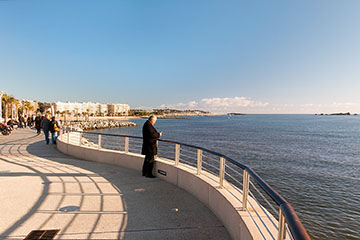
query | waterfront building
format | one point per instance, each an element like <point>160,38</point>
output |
<point>103,109</point>
<point>91,108</point>
<point>118,109</point>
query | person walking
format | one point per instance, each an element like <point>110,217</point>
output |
<point>24,119</point>
<point>149,147</point>
<point>54,128</point>
<point>38,124</point>
<point>29,121</point>
<point>20,118</point>
<point>45,124</point>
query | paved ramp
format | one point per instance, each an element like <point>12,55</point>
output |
<point>41,188</point>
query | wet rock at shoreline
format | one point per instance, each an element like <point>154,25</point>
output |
<point>99,124</point>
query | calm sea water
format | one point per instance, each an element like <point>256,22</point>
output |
<point>313,161</point>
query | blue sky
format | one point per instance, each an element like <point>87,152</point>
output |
<point>247,56</point>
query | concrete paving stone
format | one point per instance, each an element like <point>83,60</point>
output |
<point>113,203</point>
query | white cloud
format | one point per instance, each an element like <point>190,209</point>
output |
<point>220,104</point>
<point>346,104</point>
<point>248,105</point>
<point>231,102</point>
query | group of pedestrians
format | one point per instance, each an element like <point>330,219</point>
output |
<point>48,124</point>
<point>26,121</point>
<point>149,147</point>
<point>22,121</point>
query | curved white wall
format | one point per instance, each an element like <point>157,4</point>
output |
<point>225,202</point>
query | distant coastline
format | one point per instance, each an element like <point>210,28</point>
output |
<point>236,114</point>
<point>336,114</point>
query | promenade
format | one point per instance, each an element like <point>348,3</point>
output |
<point>43,189</point>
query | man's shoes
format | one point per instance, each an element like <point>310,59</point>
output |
<point>150,176</point>
<point>143,174</point>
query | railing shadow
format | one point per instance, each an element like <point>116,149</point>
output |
<point>74,168</point>
<point>46,163</point>
<point>144,199</point>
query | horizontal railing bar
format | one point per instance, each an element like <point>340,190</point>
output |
<point>267,201</point>
<point>134,146</point>
<point>191,164</point>
<point>234,170</point>
<point>188,157</point>
<point>263,209</point>
<point>169,141</point>
<point>292,219</point>
<point>294,223</point>
<point>187,151</point>
<point>213,166</point>
<point>166,151</point>
<point>217,168</point>
<point>210,158</point>
<point>166,146</point>
<point>235,180</point>
<point>109,143</point>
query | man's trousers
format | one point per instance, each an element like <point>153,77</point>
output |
<point>148,165</point>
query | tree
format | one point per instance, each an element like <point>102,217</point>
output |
<point>16,104</point>
<point>28,107</point>
<point>21,110</point>
<point>43,106</point>
<point>8,100</point>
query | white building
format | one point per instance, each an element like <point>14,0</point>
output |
<point>103,109</point>
<point>91,108</point>
<point>121,109</point>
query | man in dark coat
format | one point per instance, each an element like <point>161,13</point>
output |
<point>38,124</point>
<point>45,123</point>
<point>149,148</point>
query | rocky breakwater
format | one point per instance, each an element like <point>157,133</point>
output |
<point>99,124</point>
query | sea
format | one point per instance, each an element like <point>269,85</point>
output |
<point>313,161</point>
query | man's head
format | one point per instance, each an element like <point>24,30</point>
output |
<point>152,119</point>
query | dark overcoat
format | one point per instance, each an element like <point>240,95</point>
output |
<point>38,122</point>
<point>150,136</point>
<point>45,123</point>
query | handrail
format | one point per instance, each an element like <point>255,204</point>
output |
<point>296,228</point>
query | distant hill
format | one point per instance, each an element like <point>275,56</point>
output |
<point>231,114</point>
<point>337,114</point>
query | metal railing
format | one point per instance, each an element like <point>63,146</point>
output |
<point>263,204</point>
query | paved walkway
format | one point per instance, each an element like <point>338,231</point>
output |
<point>41,188</point>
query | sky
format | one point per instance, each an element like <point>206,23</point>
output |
<point>277,56</point>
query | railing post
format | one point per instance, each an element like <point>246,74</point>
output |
<point>281,233</point>
<point>80,139</point>
<point>68,137</point>
<point>126,144</point>
<point>199,161</point>
<point>177,154</point>
<point>246,179</point>
<point>222,171</point>
<point>99,141</point>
